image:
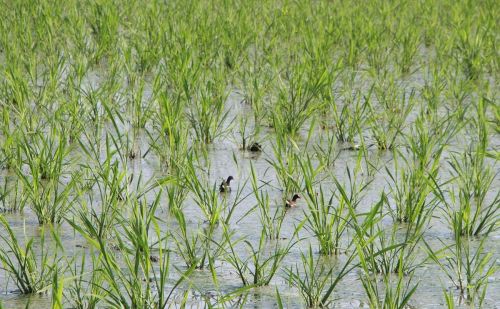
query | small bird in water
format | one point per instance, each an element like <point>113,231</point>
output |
<point>292,202</point>
<point>224,186</point>
<point>255,147</point>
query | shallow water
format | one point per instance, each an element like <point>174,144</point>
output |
<point>349,294</point>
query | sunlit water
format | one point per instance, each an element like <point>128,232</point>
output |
<point>349,293</point>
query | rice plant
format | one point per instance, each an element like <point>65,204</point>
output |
<point>207,113</point>
<point>388,118</point>
<point>139,283</point>
<point>315,281</point>
<point>390,295</point>
<point>467,266</point>
<point>298,98</point>
<point>411,191</point>
<point>471,206</point>
<point>195,246</point>
<point>169,134</point>
<point>285,164</point>
<point>31,270</point>
<point>84,292</point>
<point>260,263</point>
<point>271,222</point>
<point>117,119</point>
<point>349,117</point>
<point>326,218</point>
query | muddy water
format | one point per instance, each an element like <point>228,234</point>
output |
<point>349,293</point>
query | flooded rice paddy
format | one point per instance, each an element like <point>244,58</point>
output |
<point>113,151</point>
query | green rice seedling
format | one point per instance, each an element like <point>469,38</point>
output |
<point>435,133</point>
<point>263,261</point>
<point>49,80</point>
<point>44,188</point>
<point>50,200</point>
<point>71,114</point>
<point>377,53</point>
<point>354,44</point>
<point>466,267</point>
<point>4,193</point>
<point>410,188</point>
<point>198,246</point>
<point>285,164</point>
<point>384,253</point>
<point>469,46</point>
<point>351,192</point>
<point>271,222</point>
<point>147,42</point>
<point>216,207</point>
<point>458,92</point>
<point>374,259</point>
<point>411,185</point>
<point>10,195</point>
<point>124,142</point>
<point>247,137</point>
<point>9,141</point>
<point>132,280</point>
<point>407,43</point>
<point>397,250</point>
<point>16,87</point>
<point>316,281</point>
<point>205,196</point>
<point>206,112</point>
<point>95,116</point>
<point>30,269</point>
<point>495,122</point>
<point>57,292</point>
<point>430,22</point>
<point>176,195</point>
<point>326,221</point>
<point>194,247</point>
<point>257,81</point>
<point>450,302</point>
<point>104,191</point>
<point>80,64</point>
<point>433,88</point>
<point>387,123</point>
<point>326,150</point>
<point>234,299</point>
<point>84,292</point>
<point>468,210</point>
<point>389,296</point>
<point>139,108</point>
<point>298,98</point>
<point>45,155</point>
<point>349,117</point>
<point>169,135</point>
<point>103,20</point>
<point>425,144</point>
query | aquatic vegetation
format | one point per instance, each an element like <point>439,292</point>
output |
<point>315,281</point>
<point>326,218</point>
<point>30,269</point>
<point>389,296</point>
<point>260,266</point>
<point>271,222</point>
<point>120,122</point>
<point>467,266</point>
